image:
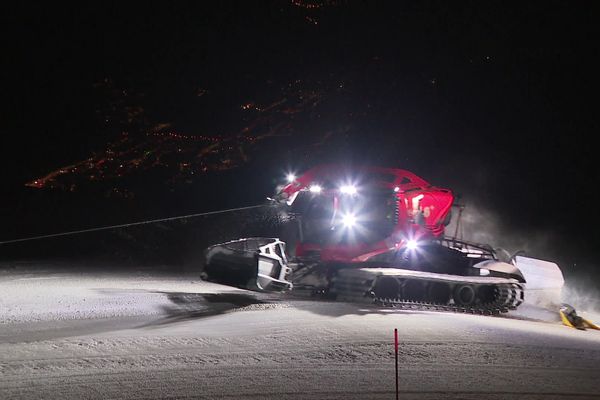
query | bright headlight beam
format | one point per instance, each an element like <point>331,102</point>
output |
<point>349,220</point>
<point>315,189</point>
<point>348,189</point>
<point>290,177</point>
<point>412,244</point>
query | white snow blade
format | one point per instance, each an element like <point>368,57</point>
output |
<point>543,281</point>
<point>251,263</point>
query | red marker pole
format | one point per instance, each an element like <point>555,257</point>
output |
<point>396,351</point>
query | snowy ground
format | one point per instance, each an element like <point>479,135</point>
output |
<point>75,335</point>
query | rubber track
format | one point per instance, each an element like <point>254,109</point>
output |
<point>510,296</point>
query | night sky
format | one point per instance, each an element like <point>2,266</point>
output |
<point>166,109</point>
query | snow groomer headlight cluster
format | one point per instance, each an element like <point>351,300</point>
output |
<point>348,189</point>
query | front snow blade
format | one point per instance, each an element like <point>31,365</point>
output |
<point>543,281</point>
<point>251,263</point>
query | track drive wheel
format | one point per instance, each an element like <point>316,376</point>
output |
<point>464,295</point>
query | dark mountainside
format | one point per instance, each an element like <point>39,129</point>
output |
<point>118,114</point>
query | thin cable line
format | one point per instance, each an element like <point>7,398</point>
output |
<point>130,224</point>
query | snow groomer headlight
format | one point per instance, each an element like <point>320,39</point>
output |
<point>412,244</point>
<point>349,221</point>
<point>348,189</point>
<point>315,189</point>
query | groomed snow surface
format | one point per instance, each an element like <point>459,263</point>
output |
<point>152,334</point>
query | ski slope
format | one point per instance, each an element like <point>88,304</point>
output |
<point>154,334</point>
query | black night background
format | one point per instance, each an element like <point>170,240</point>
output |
<point>119,112</point>
<point>122,122</point>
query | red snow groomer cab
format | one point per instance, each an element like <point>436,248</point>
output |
<point>353,215</point>
<point>376,235</point>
